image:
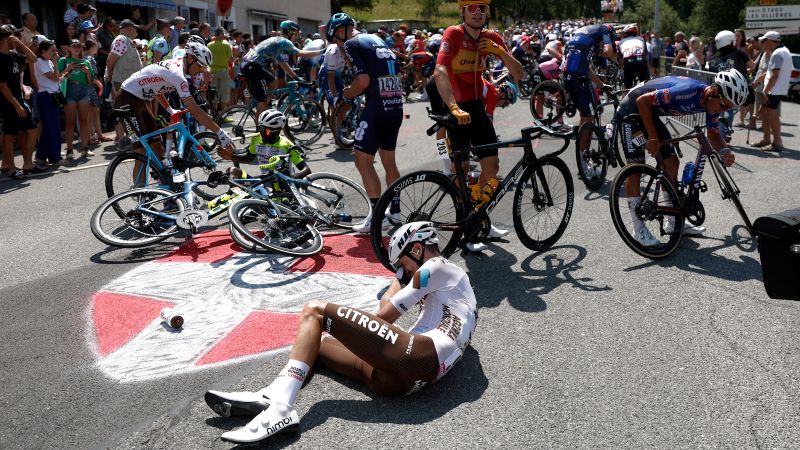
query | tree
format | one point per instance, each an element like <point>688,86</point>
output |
<point>708,18</point>
<point>644,15</point>
<point>363,5</point>
<point>429,8</point>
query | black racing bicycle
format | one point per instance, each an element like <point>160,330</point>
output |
<point>594,151</point>
<point>543,198</point>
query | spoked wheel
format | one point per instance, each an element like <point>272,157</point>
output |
<point>275,227</point>
<point>543,203</point>
<point>423,196</point>
<point>345,123</point>
<point>548,102</point>
<point>148,216</point>
<point>238,121</point>
<point>242,241</point>
<point>646,211</point>
<point>731,192</point>
<point>305,121</point>
<point>130,171</point>
<point>340,200</point>
<point>590,156</point>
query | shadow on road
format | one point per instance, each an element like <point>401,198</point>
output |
<point>466,383</point>
<point>118,255</point>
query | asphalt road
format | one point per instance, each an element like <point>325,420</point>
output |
<point>583,345</point>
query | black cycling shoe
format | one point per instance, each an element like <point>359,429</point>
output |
<point>236,404</point>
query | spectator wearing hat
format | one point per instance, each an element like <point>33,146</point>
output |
<point>123,61</point>
<point>175,30</point>
<point>158,47</point>
<point>48,151</point>
<point>776,82</point>
<point>77,77</point>
<point>16,114</point>
<point>221,63</point>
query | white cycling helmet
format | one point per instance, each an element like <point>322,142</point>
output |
<point>200,52</point>
<point>197,39</point>
<point>551,37</point>
<point>272,119</point>
<point>732,86</point>
<point>725,38</point>
<point>409,233</point>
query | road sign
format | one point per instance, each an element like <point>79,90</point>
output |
<point>773,17</point>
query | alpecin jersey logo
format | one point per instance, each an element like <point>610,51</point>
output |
<point>236,305</point>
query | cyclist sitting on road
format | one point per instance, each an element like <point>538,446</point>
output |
<point>268,143</point>
<point>673,96</point>
<point>633,57</point>
<point>156,80</point>
<point>458,86</point>
<point>368,347</point>
<point>275,49</point>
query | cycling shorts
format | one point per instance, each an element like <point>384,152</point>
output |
<point>258,80</point>
<point>580,91</point>
<point>634,136</point>
<point>550,69</point>
<point>337,81</point>
<point>390,360</point>
<point>141,121</point>
<point>632,69</point>
<point>377,129</point>
<point>479,131</point>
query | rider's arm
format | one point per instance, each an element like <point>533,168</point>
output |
<point>360,84</point>
<point>595,79</point>
<point>443,85</point>
<point>162,100</point>
<point>288,69</point>
<point>644,103</point>
<point>199,114</point>
<point>308,53</point>
<point>387,310</point>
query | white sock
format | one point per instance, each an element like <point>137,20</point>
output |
<point>288,383</point>
<point>633,202</point>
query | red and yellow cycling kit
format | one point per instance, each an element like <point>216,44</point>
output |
<point>459,53</point>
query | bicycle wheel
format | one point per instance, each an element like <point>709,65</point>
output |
<point>275,227</point>
<point>305,121</point>
<point>644,221</point>
<point>238,121</point>
<point>142,222</point>
<point>423,196</point>
<point>345,121</point>
<point>342,201</point>
<point>128,171</point>
<point>245,243</point>
<point>550,98</point>
<point>592,166</point>
<point>210,143</point>
<point>543,203</point>
<point>731,192</point>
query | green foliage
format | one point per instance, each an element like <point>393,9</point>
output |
<point>429,8</point>
<point>360,5</point>
<point>644,15</point>
<point>708,17</point>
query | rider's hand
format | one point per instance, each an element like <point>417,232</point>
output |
<point>653,146</point>
<point>226,145</point>
<point>728,158</point>
<point>487,45</point>
<point>462,116</point>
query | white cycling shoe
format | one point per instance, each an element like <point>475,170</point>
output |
<point>644,237</point>
<point>236,404</point>
<point>268,423</point>
<point>688,229</point>
<point>495,232</point>
<point>476,247</point>
<point>394,218</point>
<point>363,227</point>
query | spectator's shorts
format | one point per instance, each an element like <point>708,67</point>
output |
<point>222,81</point>
<point>77,92</point>
<point>94,99</point>
<point>13,125</point>
<point>772,101</point>
<point>258,80</point>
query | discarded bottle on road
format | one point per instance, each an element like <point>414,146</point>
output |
<point>172,318</point>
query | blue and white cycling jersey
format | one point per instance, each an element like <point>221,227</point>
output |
<point>580,48</point>
<point>276,48</point>
<point>672,96</point>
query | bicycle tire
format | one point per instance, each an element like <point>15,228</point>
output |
<point>243,242</point>
<point>424,196</point>
<point>304,130</point>
<point>141,229</point>
<point>352,208</point>
<point>647,212</point>
<point>270,232</point>
<point>120,178</point>
<point>618,146</point>
<point>210,143</point>
<point>541,180</point>
<point>553,101</point>
<point>344,128</point>
<point>592,167</point>
<point>238,121</point>
<point>729,188</point>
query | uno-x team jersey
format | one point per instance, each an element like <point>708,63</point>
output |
<point>459,53</point>
<point>674,96</point>
<point>632,49</point>
<point>160,78</point>
<point>270,49</point>
<point>369,55</point>
<point>580,48</point>
<point>448,313</point>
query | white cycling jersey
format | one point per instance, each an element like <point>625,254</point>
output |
<point>334,58</point>
<point>160,78</point>
<point>449,310</point>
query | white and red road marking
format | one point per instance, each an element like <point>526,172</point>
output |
<point>236,305</point>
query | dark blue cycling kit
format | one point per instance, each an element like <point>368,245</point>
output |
<point>580,48</point>
<point>383,114</point>
<point>671,96</point>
